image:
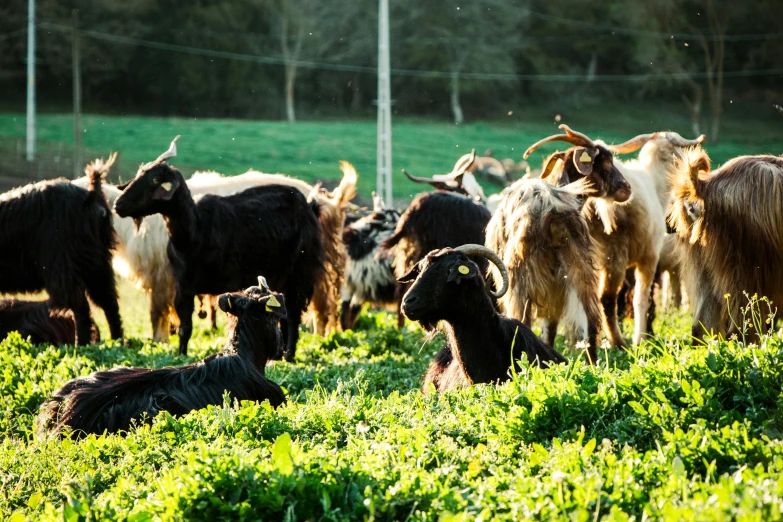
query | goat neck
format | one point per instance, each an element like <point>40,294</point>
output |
<point>249,339</point>
<point>181,219</point>
<point>473,325</point>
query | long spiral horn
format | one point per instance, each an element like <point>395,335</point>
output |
<point>486,253</point>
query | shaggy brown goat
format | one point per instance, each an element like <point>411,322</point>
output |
<point>729,226</point>
<point>541,236</point>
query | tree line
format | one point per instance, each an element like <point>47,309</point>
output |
<point>461,60</point>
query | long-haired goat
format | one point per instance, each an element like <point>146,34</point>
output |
<point>729,225</point>
<point>141,257</point>
<point>481,345</point>
<point>333,205</point>
<point>39,322</point>
<point>113,400</point>
<point>539,233</point>
<point>369,275</point>
<point>218,243</point>
<point>58,237</point>
<point>630,234</point>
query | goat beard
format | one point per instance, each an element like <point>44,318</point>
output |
<point>137,221</point>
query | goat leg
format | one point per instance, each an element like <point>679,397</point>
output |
<point>645,273</point>
<point>184,305</point>
<point>611,288</point>
<point>82,319</point>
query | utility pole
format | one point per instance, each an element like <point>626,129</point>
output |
<point>384,181</point>
<point>30,80</point>
<point>77,97</point>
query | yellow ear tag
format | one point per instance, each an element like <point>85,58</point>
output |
<point>585,158</point>
<point>166,186</point>
<point>272,301</point>
<point>228,300</point>
<point>463,269</point>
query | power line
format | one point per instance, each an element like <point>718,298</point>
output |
<point>268,60</point>
<point>653,34</point>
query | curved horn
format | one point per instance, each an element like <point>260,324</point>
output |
<point>572,137</point>
<point>462,164</point>
<point>679,141</point>
<point>486,253</point>
<point>632,144</point>
<point>437,184</point>
<point>171,152</point>
<point>262,283</point>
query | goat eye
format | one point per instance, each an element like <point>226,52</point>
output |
<point>156,181</point>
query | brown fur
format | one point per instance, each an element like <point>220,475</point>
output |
<point>326,297</point>
<point>544,241</point>
<point>729,225</point>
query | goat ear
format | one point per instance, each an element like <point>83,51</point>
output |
<point>275,305</point>
<point>165,191</point>
<point>462,270</point>
<point>230,303</point>
<point>583,159</point>
<point>411,276</point>
<point>552,162</point>
<point>123,186</point>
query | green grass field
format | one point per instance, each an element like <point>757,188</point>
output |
<point>311,150</point>
<point>666,431</point>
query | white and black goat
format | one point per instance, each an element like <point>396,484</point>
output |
<point>369,274</point>
<point>481,345</point>
<point>57,237</point>
<point>219,244</point>
<point>113,400</point>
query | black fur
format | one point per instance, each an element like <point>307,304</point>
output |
<point>57,237</point>
<point>113,400</point>
<point>40,323</point>
<point>220,244</point>
<point>479,340</point>
<point>436,220</point>
<point>362,240</point>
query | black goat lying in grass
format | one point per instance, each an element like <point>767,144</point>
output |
<point>39,322</point>
<point>58,237</point>
<point>448,286</point>
<point>218,244</point>
<point>113,400</point>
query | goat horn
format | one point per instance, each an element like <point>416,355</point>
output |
<point>572,137</point>
<point>171,152</point>
<point>482,251</point>
<point>463,163</point>
<point>262,283</point>
<point>779,108</point>
<point>679,141</point>
<point>632,144</point>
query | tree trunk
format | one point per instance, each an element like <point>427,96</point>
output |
<point>695,108</point>
<point>456,108</point>
<point>356,93</point>
<point>290,82</point>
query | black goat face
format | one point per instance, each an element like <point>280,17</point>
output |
<point>149,191</point>
<point>441,283</point>
<point>257,309</point>
<point>596,164</point>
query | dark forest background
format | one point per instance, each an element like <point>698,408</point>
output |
<point>470,60</point>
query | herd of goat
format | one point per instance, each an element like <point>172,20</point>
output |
<point>567,246</point>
